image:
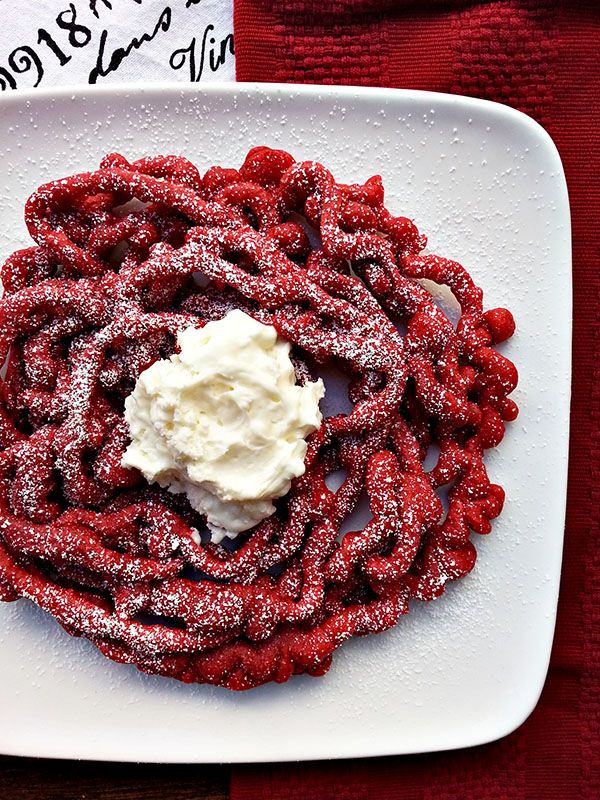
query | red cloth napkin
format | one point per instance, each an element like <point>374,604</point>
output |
<point>542,57</point>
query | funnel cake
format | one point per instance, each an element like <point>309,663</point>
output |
<point>131,254</point>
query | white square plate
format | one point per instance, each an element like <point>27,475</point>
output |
<point>486,185</point>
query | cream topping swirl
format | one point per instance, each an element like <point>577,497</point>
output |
<point>224,421</point>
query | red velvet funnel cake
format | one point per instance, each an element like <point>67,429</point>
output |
<point>103,295</point>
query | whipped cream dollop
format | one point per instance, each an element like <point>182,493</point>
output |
<point>224,421</point>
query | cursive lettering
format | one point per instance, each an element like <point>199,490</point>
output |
<point>93,7</point>
<point>118,55</point>
<point>7,81</point>
<point>212,53</point>
<point>23,58</point>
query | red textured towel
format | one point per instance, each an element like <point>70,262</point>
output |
<point>543,57</point>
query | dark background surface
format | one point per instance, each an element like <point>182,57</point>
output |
<point>44,779</point>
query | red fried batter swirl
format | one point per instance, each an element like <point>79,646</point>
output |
<point>103,295</point>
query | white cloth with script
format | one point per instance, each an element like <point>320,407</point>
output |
<point>65,42</point>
